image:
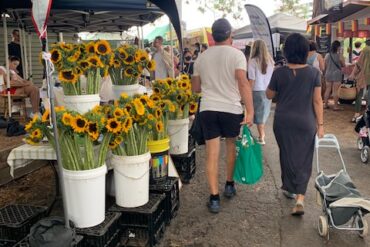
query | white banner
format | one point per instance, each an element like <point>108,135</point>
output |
<point>40,13</point>
<point>260,26</point>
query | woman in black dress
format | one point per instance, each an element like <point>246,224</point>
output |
<point>298,117</point>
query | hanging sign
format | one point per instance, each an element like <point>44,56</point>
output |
<point>40,13</point>
<point>323,43</point>
<point>260,26</point>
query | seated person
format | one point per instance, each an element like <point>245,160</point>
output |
<point>20,86</point>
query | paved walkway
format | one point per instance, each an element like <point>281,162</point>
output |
<point>259,215</point>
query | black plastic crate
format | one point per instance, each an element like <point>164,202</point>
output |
<point>114,240</point>
<point>145,222</point>
<point>7,243</point>
<point>169,187</point>
<point>137,237</point>
<point>16,220</point>
<point>185,165</point>
<point>100,235</point>
<point>191,143</point>
<point>25,243</point>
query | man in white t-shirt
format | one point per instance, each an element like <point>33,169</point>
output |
<point>220,75</point>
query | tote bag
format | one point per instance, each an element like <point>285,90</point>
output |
<point>248,164</point>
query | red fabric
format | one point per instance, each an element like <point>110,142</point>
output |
<point>12,91</point>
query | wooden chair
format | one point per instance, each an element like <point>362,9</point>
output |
<point>22,104</point>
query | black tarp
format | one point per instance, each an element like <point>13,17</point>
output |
<point>167,6</point>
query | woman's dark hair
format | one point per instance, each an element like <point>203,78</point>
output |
<point>187,51</point>
<point>247,51</point>
<point>334,46</point>
<point>313,45</point>
<point>296,48</point>
<point>358,44</point>
<point>14,58</point>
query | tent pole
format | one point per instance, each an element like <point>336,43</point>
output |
<point>7,64</point>
<point>30,55</point>
<point>56,134</point>
<point>25,54</point>
<point>139,36</point>
<point>142,36</point>
<point>61,37</point>
<point>171,52</point>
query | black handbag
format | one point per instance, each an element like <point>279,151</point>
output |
<point>196,128</point>
<point>51,232</point>
<point>14,128</point>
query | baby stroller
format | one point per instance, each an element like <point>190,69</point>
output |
<point>341,202</point>
<point>362,128</point>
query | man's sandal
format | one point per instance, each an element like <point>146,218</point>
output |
<point>298,210</point>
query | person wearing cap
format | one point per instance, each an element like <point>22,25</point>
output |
<point>361,72</point>
<point>220,75</point>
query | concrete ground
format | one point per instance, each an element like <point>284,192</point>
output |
<point>260,215</point>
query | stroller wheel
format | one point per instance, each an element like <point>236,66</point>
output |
<point>365,154</point>
<point>362,224</point>
<point>323,226</point>
<point>360,143</point>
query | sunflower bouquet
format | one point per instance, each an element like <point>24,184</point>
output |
<point>83,139</point>
<point>178,92</point>
<point>74,60</point>
<point>128,63</point>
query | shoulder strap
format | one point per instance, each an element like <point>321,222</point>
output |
<point>332,59</point>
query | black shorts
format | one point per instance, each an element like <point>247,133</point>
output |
<point>220,124</point>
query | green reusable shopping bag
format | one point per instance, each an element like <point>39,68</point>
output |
<point>248,164</point>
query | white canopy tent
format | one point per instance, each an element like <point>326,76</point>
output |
<point>281,24</point>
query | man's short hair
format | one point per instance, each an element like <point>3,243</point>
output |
<point>14,31</point>
<point>159,38</point>
<point>367,42</point>
<point>221,30</point>
<point>358,44</point>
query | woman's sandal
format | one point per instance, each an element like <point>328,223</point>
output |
<point>298,210</point>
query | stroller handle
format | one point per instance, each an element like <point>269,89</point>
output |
<point>328,141</point>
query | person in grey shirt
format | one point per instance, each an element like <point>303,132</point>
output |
<point>333,74</point>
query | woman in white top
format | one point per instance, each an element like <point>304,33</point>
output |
<point>260,68</point>
<point>315,59</point>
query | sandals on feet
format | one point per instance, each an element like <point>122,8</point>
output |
<point>298,210</point>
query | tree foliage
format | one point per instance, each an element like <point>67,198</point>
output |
<point>293,7</point>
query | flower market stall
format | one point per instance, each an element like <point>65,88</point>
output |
<point>139,130</point>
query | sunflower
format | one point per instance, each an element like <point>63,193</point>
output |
<point>169,81</point>
<point>103,120</point>
<point>113,145</point>
<point>113,125</point>
<point>156,90</point>
<point>140,68</point>
<point>67,76</point>
<point>193,107</point>
<point>56,56</point>
<point>129,60</point>
<point>127,125</point>
<point>45,116</point>
<point>150,117</point>
<point>67,119</point>
<point>151,65</point>
<point>74,57</point>
<point>144,56</point>
<point>79,124</point>
<point>129,71</point>
<point>138,55</point>
<point>122,53</point>
<point>30,141</point>
<point>184,85</point>
<point>90,47</point>
<point>139,107</point>
<point>97,109</point>
<point>92,130</point>
<point>59,108</point>
<point>179,98</point>
<point>159,126</point>
<point>95,61</point>
<point>77,70</point>
<point>123,95</point>
<point>116,63</point>
<point>128,108</point>
<point>172,107</point>
<point>118,112</point>
<point>102,47</point>
<point>36,134</point>
<point>118,140</point>
<point>184,77</point>
<point>155,97</point>
<point>84,64</point>
<point>66,47</point>
<point>158,113</point>
<point>28,126</point>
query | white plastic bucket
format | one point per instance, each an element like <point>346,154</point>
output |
<point>85,196</point>
<point>130,90</point>
<point>131,179</point>
<point>178,130</point>
<point>81,103</point>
